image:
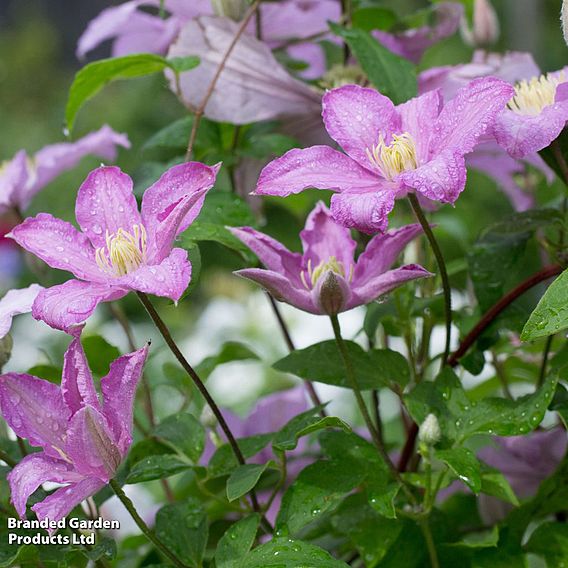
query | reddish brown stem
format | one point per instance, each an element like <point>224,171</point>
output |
<point>489,317</point>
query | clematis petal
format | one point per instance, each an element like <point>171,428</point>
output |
<point>91,445</point>
<point>16,302</point>
<point>52,160</point>
<point>441,179</point>
<point>105,204</point>
<point>13,181</point>
<point>324,238</point>
<point>260,87</point>
<point>469,115</point>
<point>319,166</point>
<point>35,410</point>
<point>280,288</point>
<point>62,501</point>
<point>366,211</point>
<point>412,43</point>
<point>381,252</point>
<point>355,117</point>
<point>171,204</point>
<point>77,386</point>
<point>109,24</point>
<point>522,135</point>
<point>59,244</point>
<point>385,283</point>
<point>70,304</point>
<point>119,390</point>
<point>417,116</point>
<point>169,279</point>
<point>274,255</point>
<point>31,472</point>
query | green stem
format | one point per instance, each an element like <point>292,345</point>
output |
<point>442,268</point>
<point>10,462</point>
<point>170,342</point>
<point>545,356</point>
<point>434,562</point>
<point>143,526</point>
<point>350,373</point>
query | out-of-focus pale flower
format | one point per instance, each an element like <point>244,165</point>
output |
<point>16,302</point>
<point>485,30</point>
<point>253,85</point>
<point>22,177</point>
<point>83,441</point>
<point>412,43</point>
<point>526,461</point>
<point>418,146</point>
<point>119,248</point>
<point>326,278</point>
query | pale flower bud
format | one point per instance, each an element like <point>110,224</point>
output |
<point>208,418</point>
<point>564,20</point>
<point>485,25</point>
<point>429,432</point>
<point>233,9</point>
<point>332,295</point>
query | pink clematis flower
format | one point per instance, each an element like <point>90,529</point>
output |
<point>83,441</point>
<point>119,249</point>
<point>326,278</point>
<point>16,302</point>
<point>23,177</point>
<point>411,44</point>
<point>418,146</point>
<point>489,157</point>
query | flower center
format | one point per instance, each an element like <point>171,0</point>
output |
<point>532,97</point>
<point>124,251</point>
<point>314,274</point>
<point>393,159</point>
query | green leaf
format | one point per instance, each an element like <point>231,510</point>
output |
<point>560,403</point>
<point>173,136</point>
<point>318,487</point>
<point>551,313</point>
<point>290,553</point>
<point>550,540</point>
<point>230,351</point>
<point>223,461</point>
<point>219,211</point>
<point>243,479</point>
<point>6,344</point>
<point>302,425</point>
<point>184,432</point>
<point>100,353</point>
<point>392,75</point>
<point>461,418</point>
<point>181,64</point>
<point>94,76</point>
<point>47,372</point>
<point>156,467</point>
<point>371,534</point>
<point>464,464</point>
<point>236,542</point>
<point>494,483</point>
<point>182,527</point>
<point>322,363</point>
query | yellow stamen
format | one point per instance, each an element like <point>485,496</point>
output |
<point>532,97</point>
<point>124,251</point>
<point>323,267</point>
<point>393,159</point>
